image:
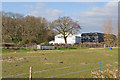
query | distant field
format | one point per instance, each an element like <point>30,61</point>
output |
<point>74,63</point>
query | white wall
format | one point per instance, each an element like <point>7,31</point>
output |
<point>59,39</point>
<point>71,39</point>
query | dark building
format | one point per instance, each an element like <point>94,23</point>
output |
<point>92,37</point>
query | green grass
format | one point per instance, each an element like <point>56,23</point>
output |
<point>65,48</point>
<point>69,48</point>
<point>70,57</point>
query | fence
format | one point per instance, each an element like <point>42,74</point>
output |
<point>98,68</point>
<point>68,59</point>
<point>86,45</point>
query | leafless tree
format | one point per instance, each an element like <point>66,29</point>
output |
<point>109,38</point>
<point>65,26</point>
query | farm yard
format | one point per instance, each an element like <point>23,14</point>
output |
<point>69,63</point>
<point>44,40</point>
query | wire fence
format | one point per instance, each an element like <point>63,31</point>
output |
<point>98,67</point>
<point>68,69</point>
<point>75,72</point>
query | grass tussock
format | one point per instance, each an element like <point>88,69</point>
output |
<point>105,74</point>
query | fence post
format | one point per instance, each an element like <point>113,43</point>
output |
<point>100,70</point>
<point>104,45</point>
<point>100,66</point>
<point>30,75</point>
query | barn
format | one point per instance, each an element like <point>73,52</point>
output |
<point>92,37</point>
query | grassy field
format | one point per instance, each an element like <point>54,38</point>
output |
<point>71,63</point>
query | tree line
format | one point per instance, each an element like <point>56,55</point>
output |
<point>30,30</point>
<point>23,30</point>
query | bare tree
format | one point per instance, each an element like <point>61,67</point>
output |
<point>65,26</point>
<point>109,38</point>
<point>108,27</point>
<point>117,32</point>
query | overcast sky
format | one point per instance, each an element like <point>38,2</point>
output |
<point>90,15</point>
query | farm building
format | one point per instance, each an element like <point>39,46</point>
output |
<point>71,39</point>
<point>92,37</point>
<point>80,38</point>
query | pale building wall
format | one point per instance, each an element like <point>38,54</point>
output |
<point>59,39</point>
<point>71,39</point>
